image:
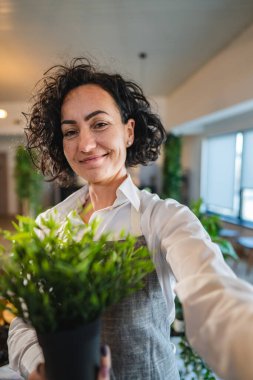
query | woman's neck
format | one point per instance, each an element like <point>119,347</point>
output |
<point>100,196</point>
<point>104,195</point>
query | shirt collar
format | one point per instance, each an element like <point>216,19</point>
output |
<point>127,191</point>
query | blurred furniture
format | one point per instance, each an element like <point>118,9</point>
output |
<point>229,233</point>
<point>246,243</point>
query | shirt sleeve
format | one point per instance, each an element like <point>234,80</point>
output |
<point>24,351</point>
<point>218,306</point>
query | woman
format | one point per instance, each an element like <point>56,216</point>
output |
<point>96,125</point>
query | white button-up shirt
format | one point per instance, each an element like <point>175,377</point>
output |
<point>218,307</point>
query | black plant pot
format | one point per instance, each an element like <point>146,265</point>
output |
<point>72,354</point>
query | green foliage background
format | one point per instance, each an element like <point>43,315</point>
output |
<point>172,170</point>
<point>28,180</point>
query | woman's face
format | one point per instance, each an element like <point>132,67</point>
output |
<point>94,136</point>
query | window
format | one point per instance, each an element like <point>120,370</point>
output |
<point>227,175</point>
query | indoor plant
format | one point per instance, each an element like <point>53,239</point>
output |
<point>172,168</point>
<point>212,225</point>
<point>28,182</point>
<point>58,283</point>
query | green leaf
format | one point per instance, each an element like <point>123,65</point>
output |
<point>56,281</point>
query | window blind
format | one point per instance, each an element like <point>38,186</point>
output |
<point>247,160</point>
<point>218,171</point>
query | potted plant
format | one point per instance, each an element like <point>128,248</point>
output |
<point>61,285</point>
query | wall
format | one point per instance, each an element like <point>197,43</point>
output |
<point>15,122</point>
<point>160,106</point>
<point>224,81</point>
<point>216,99</point>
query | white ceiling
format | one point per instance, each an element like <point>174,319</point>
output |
<point>179,36</point>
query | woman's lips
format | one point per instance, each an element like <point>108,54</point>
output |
<point>93,158</point>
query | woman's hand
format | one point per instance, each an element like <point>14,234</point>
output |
<point>104,369</point>
<point>105,364</point>
<point>38,374</point>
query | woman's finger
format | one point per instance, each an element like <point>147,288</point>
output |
<point>105,364</point>
<point>38,374</point>
<point>41,370</point>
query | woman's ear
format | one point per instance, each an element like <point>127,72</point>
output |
<point>130,131</point>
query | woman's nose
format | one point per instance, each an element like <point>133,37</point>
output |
<point>87,141</point>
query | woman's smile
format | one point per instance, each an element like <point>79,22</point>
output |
<point>93,160</point>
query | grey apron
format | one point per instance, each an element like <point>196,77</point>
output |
<point>138,332</point>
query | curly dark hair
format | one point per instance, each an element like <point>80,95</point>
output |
<point>43,131</point>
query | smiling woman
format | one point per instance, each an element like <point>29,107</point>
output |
<point>97,125</point>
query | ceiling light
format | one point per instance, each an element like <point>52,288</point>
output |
<point>143,68</point>
<point>3,114</point>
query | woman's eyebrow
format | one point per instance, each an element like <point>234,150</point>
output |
<point>68,122</point>
<point>88,117</point>
<point>94,113</point>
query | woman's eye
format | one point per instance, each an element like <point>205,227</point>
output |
<point>100,125</point>
<point>70,133</point>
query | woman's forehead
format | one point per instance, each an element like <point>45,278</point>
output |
<point>88,96</point>
<point>87,90</point>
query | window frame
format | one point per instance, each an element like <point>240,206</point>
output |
<point>236,216</point>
